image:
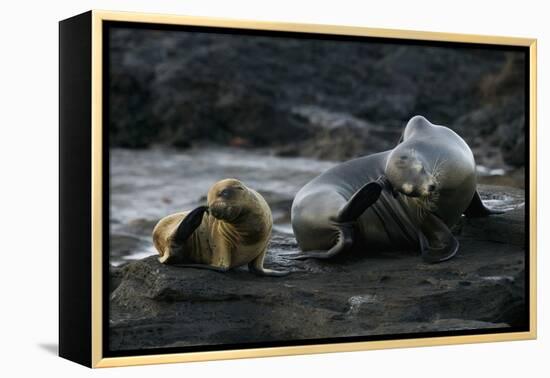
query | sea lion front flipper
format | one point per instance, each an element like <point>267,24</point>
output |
<point>202,266</point>
<point>256,266</point>
<point>437,243</point>
<point>361,200</point>
<point>477,209</point>
<point>189,224</point>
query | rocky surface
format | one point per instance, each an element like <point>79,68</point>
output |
<point>307,97</point>
<point>153,305</point>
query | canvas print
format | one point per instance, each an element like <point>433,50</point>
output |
<point>272,188</point>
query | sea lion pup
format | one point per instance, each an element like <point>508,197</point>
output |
<point>233,230</point>
<point>407,197</point>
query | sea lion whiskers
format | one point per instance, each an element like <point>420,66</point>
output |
<point>428,203</point>
<point>436,173</point>
<point>437,168</point>
<point>225,212</point>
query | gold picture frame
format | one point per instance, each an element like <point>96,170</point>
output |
<point>93,262</point>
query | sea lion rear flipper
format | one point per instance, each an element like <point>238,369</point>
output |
<point>477,209</point>
<point>344,242</point>
<point>189,224</point>
<point>437,243</point>
<point>361,200</point>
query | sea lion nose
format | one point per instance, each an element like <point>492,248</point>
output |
<point>215,211</point>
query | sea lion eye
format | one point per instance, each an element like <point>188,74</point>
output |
<point>225,193</point>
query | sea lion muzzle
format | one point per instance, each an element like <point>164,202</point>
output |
<point>224,211</point>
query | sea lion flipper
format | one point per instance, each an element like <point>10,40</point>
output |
<point>361,201</point>
<point>189,224</point>
<point>344,242</point>
<point>477,209</point>
<point>437,243</point>
<point>271,273</point>
<point>256,266</point>
<point>267,272</point>
<point>202,266</point>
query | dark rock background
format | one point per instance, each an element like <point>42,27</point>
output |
<point>320,98</point>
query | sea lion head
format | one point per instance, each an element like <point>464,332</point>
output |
<point>227,199</point>
<point>406,171</point>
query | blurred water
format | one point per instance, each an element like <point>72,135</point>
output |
<point>146,185</point>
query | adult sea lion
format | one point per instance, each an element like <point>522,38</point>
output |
<point>407,197</point>
<point>232,230</point>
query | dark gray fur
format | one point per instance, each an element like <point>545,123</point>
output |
<point>363,203</point>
